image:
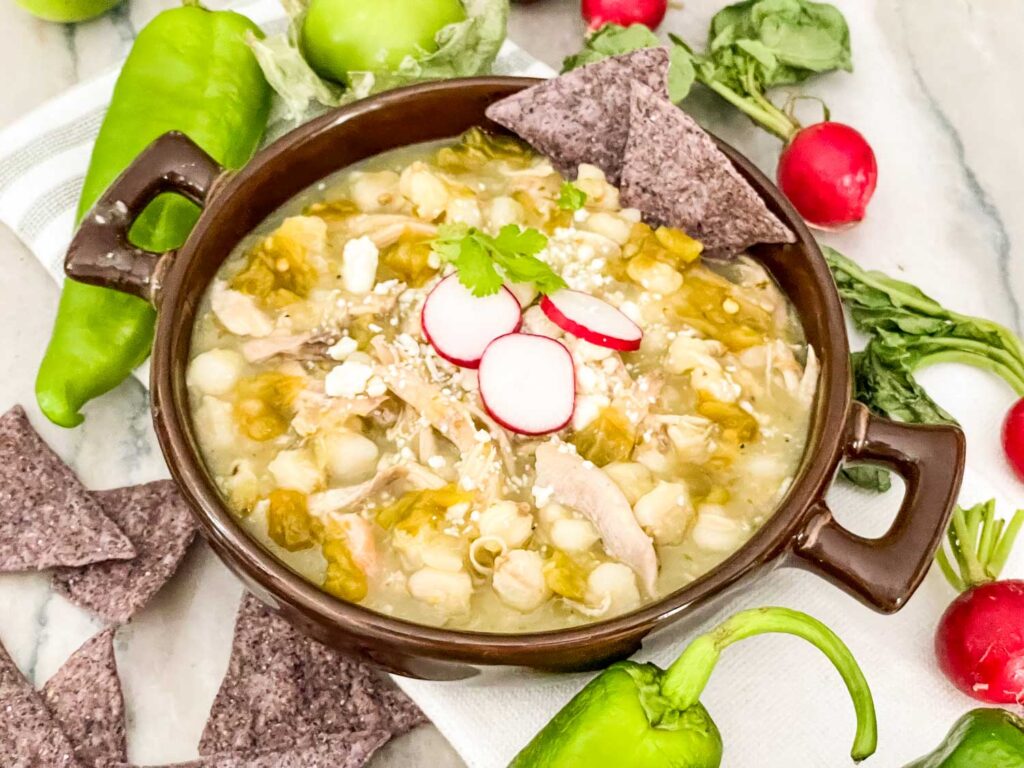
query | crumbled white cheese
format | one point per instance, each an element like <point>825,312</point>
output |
<point>344,347</point>
<point>542,495</point>
<point>586,351</point>
<point>538,323</point>
<point>632,311</point>
<point>590,379</point>
<point>376,387</point>
<point>348,379</point>
<point>359,265</point>
<point>588,407</point>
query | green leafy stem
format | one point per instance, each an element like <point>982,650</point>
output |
<point>753,46</point>
<point>909,331</point>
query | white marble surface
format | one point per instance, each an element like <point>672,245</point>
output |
<point>935,92</point>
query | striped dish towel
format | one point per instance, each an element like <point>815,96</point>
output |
<point>44,156</point>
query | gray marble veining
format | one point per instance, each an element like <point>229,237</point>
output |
<point>936,91</point>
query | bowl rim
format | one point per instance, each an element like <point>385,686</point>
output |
<point>275,583</point>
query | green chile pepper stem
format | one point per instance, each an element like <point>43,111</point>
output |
<point>685,680</point>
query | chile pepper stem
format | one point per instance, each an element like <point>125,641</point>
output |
<point>685,680</point>
<point>980,544</point>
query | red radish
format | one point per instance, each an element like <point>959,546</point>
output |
<point>592,319</point>
<point>1013,437</point>
<point>528,383</point>
<point>828,171</point>
<point>597,13</point>
<point>980,638</point>
<point>460,325</point>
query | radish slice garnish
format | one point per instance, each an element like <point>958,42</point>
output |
<point>592,319</point>
<point>460,325</point>
<point>528,383</point>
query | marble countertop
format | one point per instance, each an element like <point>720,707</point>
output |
<point>936,93</point>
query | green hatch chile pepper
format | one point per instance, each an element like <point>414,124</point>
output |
<point>190,70</point>
<point>640,716</point>
<point>983,738</point>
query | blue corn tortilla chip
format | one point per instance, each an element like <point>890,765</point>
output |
<point>285,691</point>
<point>346,750</point>
<point>84,697</point>
<point>583,115</point>
<point>47,517</point>
<point>161,527</point>
<point>676,175</point>
<point>29,735</point>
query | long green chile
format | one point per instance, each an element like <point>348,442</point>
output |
<point>189,70</point>
<point>640,716</point>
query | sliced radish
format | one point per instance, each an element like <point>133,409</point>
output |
<point>592,319</point>
<point>528,383</point>
<point>460,325</point>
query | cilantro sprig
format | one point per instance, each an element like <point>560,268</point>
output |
<point>571,197</point>
<point>484,261</point>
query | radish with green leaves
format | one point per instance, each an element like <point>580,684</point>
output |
<point>980,639</point>
<point>1013,438</point>
<point>650,13</point>
<point>827,170</point>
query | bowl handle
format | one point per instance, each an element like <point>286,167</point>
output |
<point>884,572</point>
<point>100,252</point>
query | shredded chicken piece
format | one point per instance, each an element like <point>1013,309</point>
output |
<point>315,411</point>
<point>499,435</point>
<point>385,229</point>
<point>691,435</point>
<point>426,443</point>
<point>580,485</point>
<point>637,395</point>
<point>480,470</point>
<point>299,346</point>
<point>359,536</point>
<point>335,500</point>
<point>238,312</point>
<point>809,381</point>
<point>446,414</point>
<point>376,303</point>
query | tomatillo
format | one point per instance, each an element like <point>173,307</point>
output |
<point>341,36</point>
<point>67,11</point>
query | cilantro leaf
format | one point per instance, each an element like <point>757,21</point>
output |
<point>571,197</point>
<point>513,241</point>
<point>476,268</point>
<point>478,257</point>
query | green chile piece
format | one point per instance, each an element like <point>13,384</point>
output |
<point>983,738</point>
<point>640,716</point>
<point>189,70</point>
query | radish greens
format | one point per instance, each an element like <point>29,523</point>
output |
<point>909,331</point>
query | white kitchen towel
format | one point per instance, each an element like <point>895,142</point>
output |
<point>775,699</point>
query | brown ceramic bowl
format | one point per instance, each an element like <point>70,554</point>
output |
<point>881,572</point>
